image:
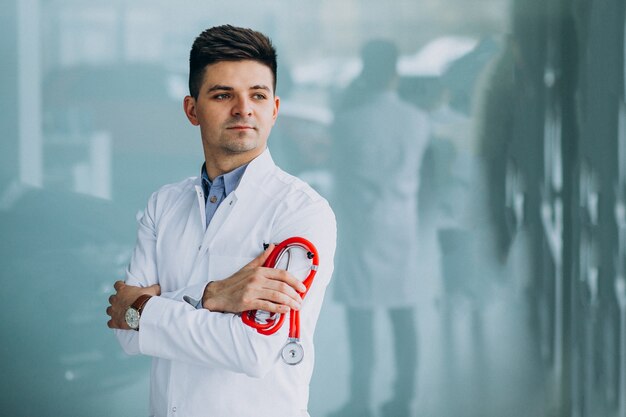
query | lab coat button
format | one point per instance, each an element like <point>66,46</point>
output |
<point>173,409</point>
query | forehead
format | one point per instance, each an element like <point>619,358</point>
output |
<point>242,74</point>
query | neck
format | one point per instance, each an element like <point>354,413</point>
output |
<point>216,166</point>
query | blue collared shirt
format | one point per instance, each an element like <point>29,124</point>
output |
<point>216,191</point>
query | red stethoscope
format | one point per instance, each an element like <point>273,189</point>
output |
<point>269,323</point>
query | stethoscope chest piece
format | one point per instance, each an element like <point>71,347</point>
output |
<point>292,352</point>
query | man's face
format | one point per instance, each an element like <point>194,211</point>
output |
<point>235,109</point>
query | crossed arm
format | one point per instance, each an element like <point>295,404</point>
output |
<point>173,328</point>
<point>253,287</point>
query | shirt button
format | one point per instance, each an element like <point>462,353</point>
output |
<point>213,199</point>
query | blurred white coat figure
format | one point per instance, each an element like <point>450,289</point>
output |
<point>378,148</point>
<point>378,144</point>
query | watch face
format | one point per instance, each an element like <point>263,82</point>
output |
<point>132,318</point>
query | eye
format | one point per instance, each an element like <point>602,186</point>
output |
<point>221,96</point>
<point>259,96</point>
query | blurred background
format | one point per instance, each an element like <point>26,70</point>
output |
<point>516,303</point>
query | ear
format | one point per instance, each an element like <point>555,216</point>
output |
<point>189,105</point>
<point>276,107</point>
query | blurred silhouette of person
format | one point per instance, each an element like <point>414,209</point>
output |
<point>511,133</point>
<point>300,138</point>
<point>459,215</point>
<point>378,145</point>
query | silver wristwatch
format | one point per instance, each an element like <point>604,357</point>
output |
<point>133,313</point>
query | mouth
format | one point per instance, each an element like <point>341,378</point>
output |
<point>240,127</point>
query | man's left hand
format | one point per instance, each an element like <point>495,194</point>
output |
<point>124,297</point>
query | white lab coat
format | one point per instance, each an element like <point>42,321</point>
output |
<point>377,154</point>
<point>208,363</point>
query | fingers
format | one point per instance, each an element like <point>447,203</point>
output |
<point>284,276</point>
<point>280,293</point>
<point>255,287</point>
<point>153,289</point>
<point>273,290</point>
<point>268,300</point>
<point>122,286</point>
<point>124,296</point>
<point>271,286</point>
<point>116,317</point>
<point>269,306</point>
<point>281,299</point>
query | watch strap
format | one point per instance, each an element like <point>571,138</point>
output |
<point>140,302</point>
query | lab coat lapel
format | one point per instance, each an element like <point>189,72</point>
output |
<point>240,197</point>
<point>219,218</point>
<point>201,205</point>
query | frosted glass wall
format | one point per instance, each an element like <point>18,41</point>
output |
<point>458,185</point>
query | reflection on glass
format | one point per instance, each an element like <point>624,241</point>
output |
<point>378,144</point>
<point>457,235</point>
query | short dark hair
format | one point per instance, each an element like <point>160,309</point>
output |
<point>228,43</point>
<point>380,57</point>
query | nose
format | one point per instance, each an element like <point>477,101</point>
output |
<point>242,107</point>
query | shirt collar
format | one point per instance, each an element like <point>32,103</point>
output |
<point>230,179</point>
<point>253,176</point>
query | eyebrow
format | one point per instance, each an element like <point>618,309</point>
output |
<point>219,87</point>
<point>261,87</point>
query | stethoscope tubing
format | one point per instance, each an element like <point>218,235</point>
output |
<point>275,322</point>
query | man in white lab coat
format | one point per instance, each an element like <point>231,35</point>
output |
<point>378,145</point>
<point>198,260</point>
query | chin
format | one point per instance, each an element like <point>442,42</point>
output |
<point>241,146</point>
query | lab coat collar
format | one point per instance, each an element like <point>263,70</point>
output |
<point>257,169</point>
<point>249,186</point>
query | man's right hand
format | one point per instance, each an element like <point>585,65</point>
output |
<point>255,287</point>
